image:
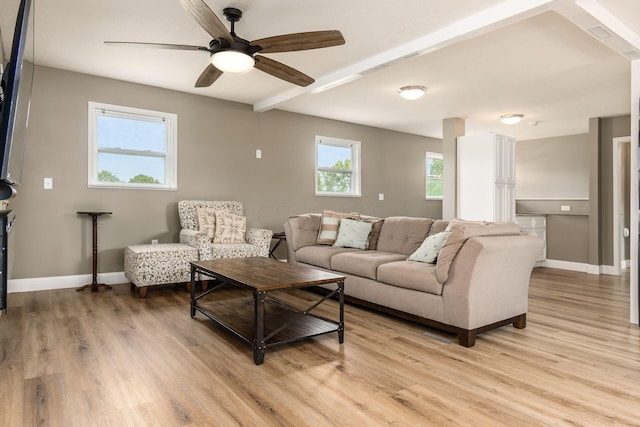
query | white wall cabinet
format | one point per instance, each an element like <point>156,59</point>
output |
<point>486,177</point>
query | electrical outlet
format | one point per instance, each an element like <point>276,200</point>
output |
<point>258,154</point>
<point>154,242</point>
<point>48,183</point>
<point>565,208</point>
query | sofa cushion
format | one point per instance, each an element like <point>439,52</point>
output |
<point>411,275</point>
<point>229,250</point>
<point>429,249</point>
<point>329,226</point>
<point>304,229</point>
<point>460,231</point>
<point>455,221</point>
<point>353,234</point>
<point>403,235</point>
<point>319,255</point>
<point>363,263</point>
<point>438,226</point>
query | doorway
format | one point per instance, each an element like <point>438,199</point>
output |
<point>621,203</point>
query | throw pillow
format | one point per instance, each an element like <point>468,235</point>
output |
<point>230,228</point>
<point>353,234</point>
<point>376,226</point>
<point>207,221</point>
<point>329,225</point>
<point>430,248</point>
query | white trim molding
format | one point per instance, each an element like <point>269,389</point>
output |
<point>63,282</point>
<point>579,266</point>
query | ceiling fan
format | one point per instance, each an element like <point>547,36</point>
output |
<point>233,54</point>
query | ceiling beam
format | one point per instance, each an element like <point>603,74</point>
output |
<point>487,20</point>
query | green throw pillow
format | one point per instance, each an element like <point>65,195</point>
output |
<point>353,234</point>
<point>430,248</point>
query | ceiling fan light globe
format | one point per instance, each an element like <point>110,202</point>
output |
<point>232,61</point>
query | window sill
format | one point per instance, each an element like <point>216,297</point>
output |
<point>134,187</point>
<point>337,195</point>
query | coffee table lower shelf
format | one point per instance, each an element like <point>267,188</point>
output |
<point>281,324</point>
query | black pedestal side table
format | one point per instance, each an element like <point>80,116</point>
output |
<point>94,285</point>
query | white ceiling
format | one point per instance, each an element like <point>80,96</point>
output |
<point>479,58</point>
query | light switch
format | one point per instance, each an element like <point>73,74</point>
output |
<point>258,154</point>
<point>381,196</point>
<point>48,183</point>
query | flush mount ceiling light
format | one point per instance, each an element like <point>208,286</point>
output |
<point>412,92</point>
<point>511,119</point>
<point>232,61</point>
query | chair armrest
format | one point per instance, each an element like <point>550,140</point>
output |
<point>260,238</point>
<point>193,238</point>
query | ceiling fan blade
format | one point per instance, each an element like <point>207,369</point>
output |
<point>157,45</point>
<point>281,71</point>
<point>208,76</point>
<point>299,41</point>
<point>206,18</point>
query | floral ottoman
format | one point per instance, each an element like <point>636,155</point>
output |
<point>162,264</point>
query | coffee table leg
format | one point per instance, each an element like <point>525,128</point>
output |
<point>193,292</point>
<point>341,299</point>
<point>258,340</point>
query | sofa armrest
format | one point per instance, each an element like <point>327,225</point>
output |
<point>489,280</point>
<point>303,230</point>
<point>260,238</point>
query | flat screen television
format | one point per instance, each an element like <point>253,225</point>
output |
<point>17,79</point>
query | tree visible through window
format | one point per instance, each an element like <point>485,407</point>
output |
<point>434,183</point>
<point>337,171</point>
<point>130,147</point>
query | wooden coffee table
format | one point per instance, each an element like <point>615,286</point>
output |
<point>265,321</point>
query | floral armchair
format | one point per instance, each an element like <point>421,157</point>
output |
<point>256,242</point>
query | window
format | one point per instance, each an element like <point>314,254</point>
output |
<point>434,176</point>
<point>132,148</point>
<point>337,167</point>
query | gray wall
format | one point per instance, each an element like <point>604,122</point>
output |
<point>216,161</point>
<point>553,168</point>
<point>553,172</point>
<point>550,173</point>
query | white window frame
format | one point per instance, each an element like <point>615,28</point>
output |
<point>355,166</point>
<point>431,155</point>
<point>170,155</point>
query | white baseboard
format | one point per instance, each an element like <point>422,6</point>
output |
<point>62,282</point>
<point>114,278</point>
<point>581,267</point>
<point>609,270</point>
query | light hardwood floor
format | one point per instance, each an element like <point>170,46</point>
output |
<point>85,359</point>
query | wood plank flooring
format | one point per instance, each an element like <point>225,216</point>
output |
<point>84,359</point>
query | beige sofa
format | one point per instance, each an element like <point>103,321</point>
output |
<point>479,282</point>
